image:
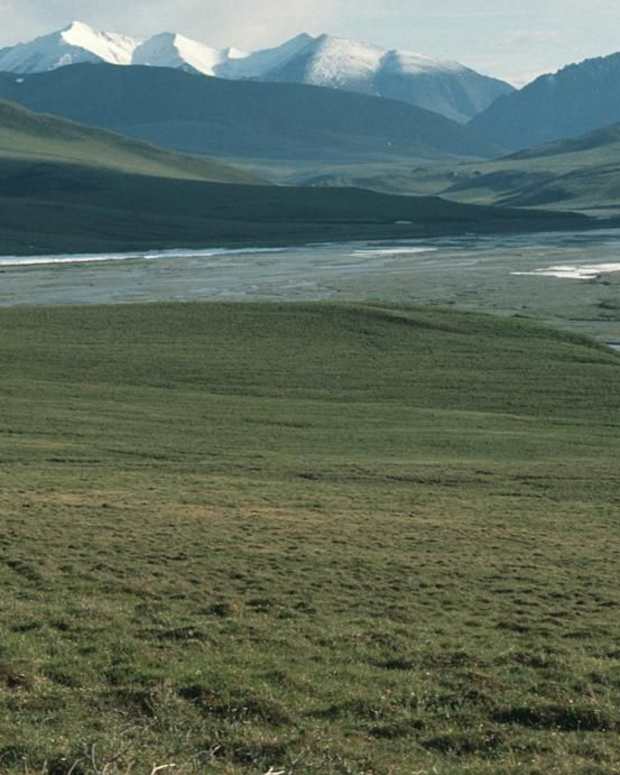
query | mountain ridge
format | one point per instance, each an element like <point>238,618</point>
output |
<point>217,117</point>
<point>577,99</point>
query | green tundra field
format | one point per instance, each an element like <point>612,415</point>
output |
<point>306,538</point>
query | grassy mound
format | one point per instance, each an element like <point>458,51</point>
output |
<point>313,538</point>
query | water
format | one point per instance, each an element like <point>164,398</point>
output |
<point>570,279</point>
<point>98,258</point>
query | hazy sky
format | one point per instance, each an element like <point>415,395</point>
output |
<point>510,39</point>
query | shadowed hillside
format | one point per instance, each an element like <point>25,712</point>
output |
<point>33,138</point>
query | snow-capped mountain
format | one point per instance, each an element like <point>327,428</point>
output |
<point>75,44</point>
<point>444,87</point>
<point>448,88</point>
<point>260,64</point>
<point>173,50</point>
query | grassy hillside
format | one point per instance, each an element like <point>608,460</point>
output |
<point>581,173</point>
<point>33,138</point>
<point>51,208</point>
<point>318,539</point>
<point>196,114</point>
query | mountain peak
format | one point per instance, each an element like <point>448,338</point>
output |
<point>79,27</point>
<point>172,49</point>
<point>303,37</point>
<point>105,46</point>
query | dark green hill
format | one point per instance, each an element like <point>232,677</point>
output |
<point>576,100</point>
<point>48,208</point>
<point>195,114</point>
<point>34,138</point>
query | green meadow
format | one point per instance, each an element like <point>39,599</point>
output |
<point>306,538</point>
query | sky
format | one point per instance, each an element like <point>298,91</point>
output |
<point>513,40</point>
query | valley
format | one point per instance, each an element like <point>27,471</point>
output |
<point>579,174</point>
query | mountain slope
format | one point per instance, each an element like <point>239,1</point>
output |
<point>32,138</point>
<point>447,88</point>
<point>213,116</point>
<point>258,64</point>
<point>576,100</point>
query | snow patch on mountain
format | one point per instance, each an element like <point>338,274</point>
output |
<point>333,61</point>
<point>343,63</point>
<point>411,63</point>
<point>259,63</point>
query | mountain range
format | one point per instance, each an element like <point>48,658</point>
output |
<point>180,111</point>
<point>445,87</point>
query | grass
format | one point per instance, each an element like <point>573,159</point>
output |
<point>306,538</point>
<point>38,139</point>
<point>56,208</point>
<point>579,174</point>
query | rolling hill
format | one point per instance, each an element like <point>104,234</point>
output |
<point>577,99</point>
<point>30,138</point>
<point>184,112</point>
<point>581,173</point>
<point>448,88</point>
<point>57,208</point>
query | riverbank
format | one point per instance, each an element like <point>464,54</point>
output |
<point>506,275</point>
